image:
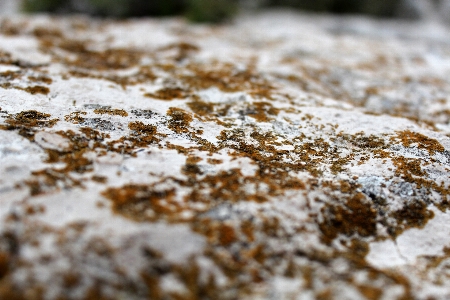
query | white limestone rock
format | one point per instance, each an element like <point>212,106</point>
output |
<point>282,156</point>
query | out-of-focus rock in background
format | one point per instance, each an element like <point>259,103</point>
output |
<point>218,10</point>
<point>8,7</point>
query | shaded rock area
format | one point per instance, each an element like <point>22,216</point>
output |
<point>282,156</point>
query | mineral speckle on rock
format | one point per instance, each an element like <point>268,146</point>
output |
<point>271,158</point>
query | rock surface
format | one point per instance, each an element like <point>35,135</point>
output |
<point>279,157</point>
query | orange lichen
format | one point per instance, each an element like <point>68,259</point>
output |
<point>179,120</point>
<point>4,264</point>
<point>145,74</point>
<point>413,214</point>
<point>43,79</point>
<point>142,202</point>
<point>226,235</point>
<point>409,138</point>
<point>226,78</point>
<point>26,122</point>
<point>407,168</point>
<point>182,50</point>
<point>201,108</point>
<point>37,89</point>
<point>75,117</point>
<point>47,32</point>
<point>99,179</point>
<point>261,110</point>
<point>97,60</point>
<point>214,161</point>
<point>356,216</point>
<point>168,94</point>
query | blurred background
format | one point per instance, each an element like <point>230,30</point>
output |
<point>221,10</point>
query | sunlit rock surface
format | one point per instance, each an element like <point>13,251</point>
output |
<point>279,157</point>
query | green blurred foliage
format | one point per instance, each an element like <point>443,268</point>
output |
<point>195,10</point>
<point>42,5</point>
<point>111,8</point>
<point>204,10</point>
<point>386,8</point>
<point>210,10</point>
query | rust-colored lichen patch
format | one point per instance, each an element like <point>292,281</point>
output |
<point>421,141</point>
<point>141,135</point>
<point>356,216</point>
<point>214,161</point>
<point>227,78</point>
<point>4,264</point>
<point>413,214</point>
<point>142,202</point>
<point>75,117</point>
<point>141,128</point>
<point>168,94</point>
<point>179,120</point>
<point>26,121</point>
<point>226,235</point>
<point>145,74</point>
<point>47,32</point>
<point>109,111</point>
<point>201,108</point>
<point>50,180</point>
<point>10,28</point>
<point>261,110</point>
<point>43,79</point>
<point>181,50</point>
<point>408,167</point>
<point>85,58</point>
<point>37,89</point>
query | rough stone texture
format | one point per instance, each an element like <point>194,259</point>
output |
<point>280,157</point>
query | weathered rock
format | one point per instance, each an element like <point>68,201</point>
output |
<point>283,156</point>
